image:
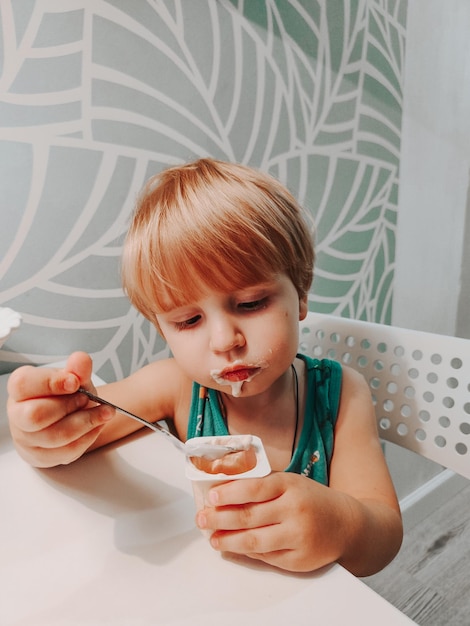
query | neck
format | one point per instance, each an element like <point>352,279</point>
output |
<point>259,404</point>
<point>273,416</point>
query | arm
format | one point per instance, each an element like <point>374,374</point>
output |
<point>373,528</point>
<point>297,524</point>
<point>51,424</point>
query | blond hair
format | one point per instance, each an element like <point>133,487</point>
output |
<point>211,224</point>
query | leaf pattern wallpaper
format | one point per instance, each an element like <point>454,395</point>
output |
<point>97,95</point>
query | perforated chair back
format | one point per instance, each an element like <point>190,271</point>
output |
<point>420,382</point>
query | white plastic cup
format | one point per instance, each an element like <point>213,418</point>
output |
<point>202,481</point>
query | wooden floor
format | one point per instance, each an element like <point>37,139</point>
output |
<point>430,578</point>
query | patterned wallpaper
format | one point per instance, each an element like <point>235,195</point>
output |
<point>96,95</point>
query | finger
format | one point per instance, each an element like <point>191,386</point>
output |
<point>239,517</point>
<point>81,365</point>
<point>37,382</point>
<point>268,545</point>
<point>70,428</point>
<point>252,542</point>
<point>248,490</point>
<point>36,414</point>
<point>46,457</point>
<point>284,559</point>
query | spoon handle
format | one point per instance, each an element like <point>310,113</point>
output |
<point>153,426</point>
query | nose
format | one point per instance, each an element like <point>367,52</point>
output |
<point>225,335</point>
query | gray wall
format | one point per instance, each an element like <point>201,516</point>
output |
<point>96,95</point>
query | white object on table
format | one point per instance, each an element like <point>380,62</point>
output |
<point>111,539</point>
<point>9,321</point>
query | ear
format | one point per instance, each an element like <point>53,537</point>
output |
<point>303,307</point>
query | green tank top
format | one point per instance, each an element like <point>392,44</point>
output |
<point>313,454</point>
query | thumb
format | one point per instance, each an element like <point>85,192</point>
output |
<point>81,365</point>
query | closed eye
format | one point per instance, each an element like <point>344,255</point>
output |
<point>254,305</point>
<point>189,323</point>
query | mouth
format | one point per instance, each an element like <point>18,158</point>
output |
<point>238,374</point>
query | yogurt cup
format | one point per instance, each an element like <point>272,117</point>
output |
<point>203,481</point>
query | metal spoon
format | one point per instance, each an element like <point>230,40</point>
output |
<point>193,448</point>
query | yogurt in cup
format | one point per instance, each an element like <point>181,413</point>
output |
<point>202,481</point>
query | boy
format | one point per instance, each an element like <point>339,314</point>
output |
<point>219,258</point>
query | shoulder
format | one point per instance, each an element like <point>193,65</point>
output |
<point>356,409</point>
<point>355,384</point>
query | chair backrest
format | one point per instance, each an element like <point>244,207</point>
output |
<point>420,382</point>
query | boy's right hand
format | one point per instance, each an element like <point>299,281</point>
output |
<point>51,424</point>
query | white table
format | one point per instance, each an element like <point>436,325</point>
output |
<point>111,539</point>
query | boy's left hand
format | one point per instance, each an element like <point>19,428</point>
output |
<point>283,519</point>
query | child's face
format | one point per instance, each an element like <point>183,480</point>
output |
<point>239,342</point>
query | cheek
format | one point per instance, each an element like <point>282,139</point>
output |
<point>280,334</point>
<point>188,350</point>
<point>180,348</point>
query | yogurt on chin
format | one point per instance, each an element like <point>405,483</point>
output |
<point>236,385</point>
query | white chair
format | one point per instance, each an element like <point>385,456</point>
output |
<point>420,382</point>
